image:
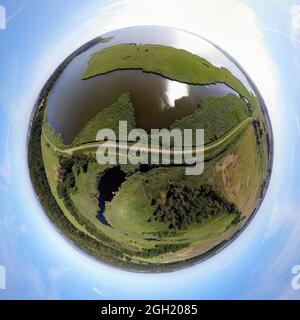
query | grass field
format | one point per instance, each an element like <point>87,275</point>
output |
<point>237,174</point>
<point>216,115</point>
<point>203,238</point>
<point>130,210</point>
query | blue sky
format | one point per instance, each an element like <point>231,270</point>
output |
<point>264,36</point>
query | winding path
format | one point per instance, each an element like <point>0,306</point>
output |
<point>125,146</point>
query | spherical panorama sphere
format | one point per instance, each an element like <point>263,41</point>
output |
<point>150,148</point>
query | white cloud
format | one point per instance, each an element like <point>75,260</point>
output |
<point>2,17</point>
<point>99,291</point>
<point>6,163</point>
<point>278,268</point>
<point>14,14</point>
<point>175,91</point>
<point>281,219</point>
<point>24,278</point>
<point>57,272</point>
<point>297,120</point>
<point>295,19</point>
<point>23,229</point>
<point>2,278</point>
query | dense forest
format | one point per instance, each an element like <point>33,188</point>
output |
<point>182,206</point>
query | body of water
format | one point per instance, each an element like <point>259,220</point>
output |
<point>158,101</point>
<point>108,185</point>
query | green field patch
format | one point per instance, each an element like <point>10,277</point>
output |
<point>86,196</point>
<point>216,115</point>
